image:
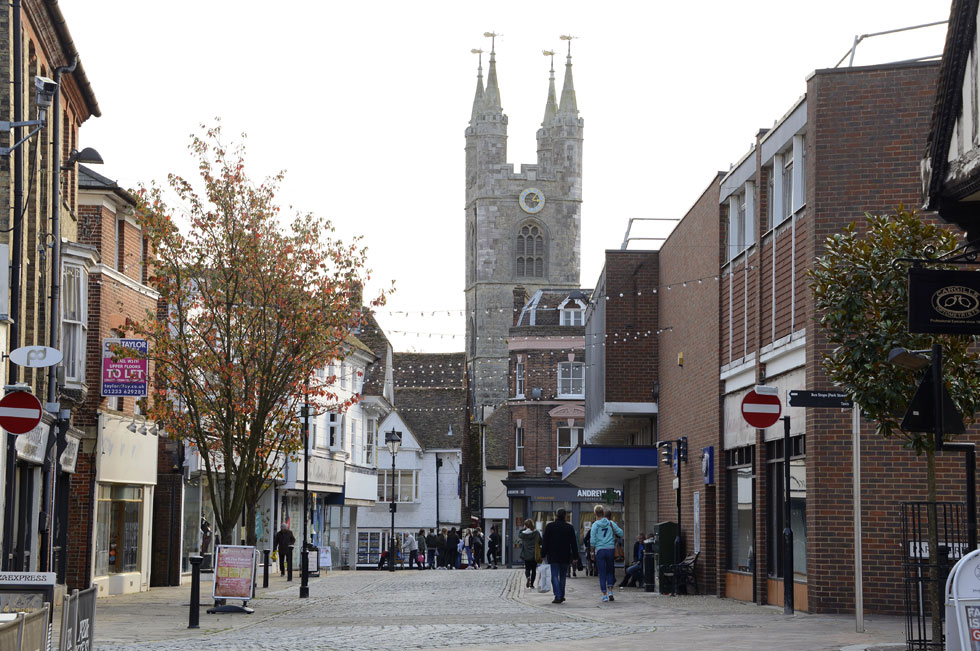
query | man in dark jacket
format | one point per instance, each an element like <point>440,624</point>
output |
<point>283,541</point>
<point>493,547</point>
<point>432,548</point>
<point>560,546</point>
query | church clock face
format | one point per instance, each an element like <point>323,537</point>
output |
<point>531,201</point>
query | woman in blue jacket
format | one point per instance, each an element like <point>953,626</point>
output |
<point>603,536</point>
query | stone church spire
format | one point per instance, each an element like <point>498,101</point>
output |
<point>478,97</point>
<point>551,106</point>
<point>568,104</point>
<point>491,98</point>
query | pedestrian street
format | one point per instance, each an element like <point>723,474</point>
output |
<point>469,609</point>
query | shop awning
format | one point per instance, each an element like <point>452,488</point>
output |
<point>598,466</point>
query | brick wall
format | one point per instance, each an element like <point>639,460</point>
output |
<point>632,279</point>
<point>689,394</point>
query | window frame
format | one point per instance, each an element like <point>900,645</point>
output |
<point>575,437</point>
<point>74,326</point>
<point>384,485</point>
<point>370,442</point>
<point>519,380</point>
<point>536,256</point>
<point>519,449</point>
<point>562,389</point>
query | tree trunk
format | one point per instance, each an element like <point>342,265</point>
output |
<point>935,587</point>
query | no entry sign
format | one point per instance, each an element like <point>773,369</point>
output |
<point>761,410</point>
<point>20,412</point>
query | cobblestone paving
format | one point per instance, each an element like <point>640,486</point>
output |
<point>377,610</point>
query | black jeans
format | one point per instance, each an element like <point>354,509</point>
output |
<point>282,552</point>
<point>492,556</point>
<point>530,570</point>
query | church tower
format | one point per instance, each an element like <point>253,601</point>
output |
<point>522,228</point>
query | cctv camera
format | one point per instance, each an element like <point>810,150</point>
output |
<point>46,88</point>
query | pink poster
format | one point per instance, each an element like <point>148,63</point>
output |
<point>233,572</point>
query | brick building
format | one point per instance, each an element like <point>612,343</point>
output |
<point>35,41</point>
<point>115,507</point>
<point>542,421</point>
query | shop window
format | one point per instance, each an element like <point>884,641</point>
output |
<point>117,533</point>
<point>406,487</point>
<point>74,321</point>
<point>775,522</point>
<point>571,380</point>
<point>568,438</point>
<point>741,509</point>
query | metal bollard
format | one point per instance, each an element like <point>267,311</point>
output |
<point>289,564</point>
<point>265,567</point>
<point>195,613</point>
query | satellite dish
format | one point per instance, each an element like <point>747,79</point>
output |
<point>547,470</point>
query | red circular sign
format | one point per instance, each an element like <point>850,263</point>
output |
<point>20,412</point>
<point>761,410</point>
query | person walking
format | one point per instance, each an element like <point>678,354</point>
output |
<point>529,550</point>
<point>468,549</point>
<point>603,539</point>
<point>478,545</point>
<point>560,546</point>
<point>432,548</point>
<point>420,554</point>
<point>282,542</point>
<point>493,548</point>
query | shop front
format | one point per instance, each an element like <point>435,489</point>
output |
<point>126,470</point>
<point>538,501</point>
<point>326,525</point>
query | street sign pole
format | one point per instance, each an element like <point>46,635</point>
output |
<point>788,530</point>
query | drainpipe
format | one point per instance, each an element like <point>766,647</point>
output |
<point>15,255</point>
<point>56,433</point>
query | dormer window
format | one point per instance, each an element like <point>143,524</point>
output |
<point>572,312</point>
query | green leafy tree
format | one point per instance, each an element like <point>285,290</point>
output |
<point>861,299</point>
<point>249,309</point>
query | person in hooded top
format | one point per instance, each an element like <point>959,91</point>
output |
<point>526,541</point>
<point>603,539</point>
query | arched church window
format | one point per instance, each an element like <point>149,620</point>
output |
<point>530,251</point>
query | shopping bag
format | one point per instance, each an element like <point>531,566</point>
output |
<point>275,555</point>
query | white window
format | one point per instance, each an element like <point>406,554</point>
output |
<point>572,317</point>
<point>571,379</point>
<point>343,375</point>
<point>316,443</point>
<point>519,443</point>
<point>334,425</point>
<point>370,442</point>
<point>770,200</point>
<point>355,438</point>
<point>736,225</point>
<point>799,173</point>
<point>406,487</point>
<point>568,438</point>
<point>787,198</point>
<point>74,321</point>
<point>519,378</point>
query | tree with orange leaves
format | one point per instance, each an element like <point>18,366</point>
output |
<point>249,310</point>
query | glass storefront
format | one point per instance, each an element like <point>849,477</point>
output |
<point>329,526</point>
<point>117,529</point>
<point>741,509</point>
<point>777,505</point>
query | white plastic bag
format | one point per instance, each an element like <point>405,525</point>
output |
<point>544,576</point>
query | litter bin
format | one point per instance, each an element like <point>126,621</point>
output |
<point>649,564</point>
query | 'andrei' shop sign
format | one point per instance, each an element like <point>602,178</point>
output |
<point>944,301</point>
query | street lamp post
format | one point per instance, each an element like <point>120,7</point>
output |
<point>393,440</point>
<point>304,563</point>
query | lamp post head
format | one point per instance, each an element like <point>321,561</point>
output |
<point>910,359</point>
<point>393,440</point>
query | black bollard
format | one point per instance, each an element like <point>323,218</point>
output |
<point>289,563</point>
<point>265,568</point>
<point>195,613</point>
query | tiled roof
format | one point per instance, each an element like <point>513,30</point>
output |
<point>430,396</point>
<point>89,179</point>
<point>499,434</point>
<point>372,336</point>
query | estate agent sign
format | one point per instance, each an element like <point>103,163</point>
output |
<point>124,374</point>
<point>944,301</point>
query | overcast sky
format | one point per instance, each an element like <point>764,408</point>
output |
<point>364,105</point>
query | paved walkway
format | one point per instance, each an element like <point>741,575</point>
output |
<point>471,609</point>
